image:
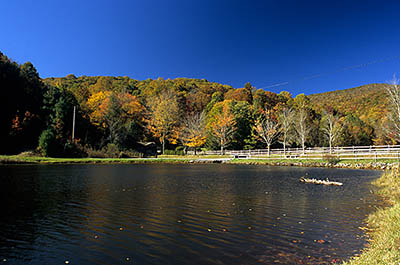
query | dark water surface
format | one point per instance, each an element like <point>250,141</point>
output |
<point>180,214</point>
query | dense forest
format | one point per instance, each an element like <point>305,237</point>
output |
<point>121,117</point>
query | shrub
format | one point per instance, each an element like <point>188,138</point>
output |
<point>94,153</point>
<point>48,144</point>
<point>180,148</point>
<point>130,154</point>
<point>112,151</point>
<point>73,149</point>
<point>30,153</point>
<point>173,152</point>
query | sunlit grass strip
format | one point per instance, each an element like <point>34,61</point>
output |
<point>317,162</point>
<point>20,159</point>
<point>194,156</point>
<point>50,160</point>
<point>275,161</point>
<point>385,225</point>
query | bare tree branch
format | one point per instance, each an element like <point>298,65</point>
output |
<point>302,128</point>
<point>331,128</point>
<point>267,128</point>
<point>193,133</point>
<point>286,118</point>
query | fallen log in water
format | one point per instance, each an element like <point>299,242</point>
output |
<point>320,182</point>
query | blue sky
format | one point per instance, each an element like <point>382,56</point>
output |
<point>226,41</point>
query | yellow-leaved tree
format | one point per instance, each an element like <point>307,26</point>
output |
<point>164,117</point>
<point>114,112</point>
<point>97,105</point>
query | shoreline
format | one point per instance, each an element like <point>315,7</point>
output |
<point>350,164</point>
<point>383,225</point>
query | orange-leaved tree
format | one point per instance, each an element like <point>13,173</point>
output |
<point>222,123</point>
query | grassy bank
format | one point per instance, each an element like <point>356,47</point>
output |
<point>51,160</point>
<point>344,163</point>
<point>357,164</point>
<point>17,159</point>
<point>384,225</point>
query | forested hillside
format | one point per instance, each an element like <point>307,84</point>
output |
<point>368,102</point>
<point>119,116</point>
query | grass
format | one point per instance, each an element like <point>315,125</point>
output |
<point>50,160</point>
<point>274,161</point>
<point>368,161</point>
<point>194,156</point>
<point>310,161</point>
<point>384,225</point>
<point>23,159</point>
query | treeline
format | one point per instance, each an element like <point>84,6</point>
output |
<point>117,116</point>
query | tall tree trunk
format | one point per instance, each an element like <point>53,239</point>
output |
<point>222,146</point>
<point>269,150</point>
<point>284,147</point>
<point>163,143</point>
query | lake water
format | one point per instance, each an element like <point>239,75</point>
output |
<point>180,214</point>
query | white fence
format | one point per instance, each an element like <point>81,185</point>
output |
<point>347,152</point>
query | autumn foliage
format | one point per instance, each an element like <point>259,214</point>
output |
<point>222,123</point>
<point>124,114</point>
<point>99,104</point>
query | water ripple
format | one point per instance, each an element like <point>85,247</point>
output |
<point>180,214</point>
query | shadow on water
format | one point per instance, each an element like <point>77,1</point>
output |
<point>181,214</point>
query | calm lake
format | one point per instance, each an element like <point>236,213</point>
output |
<point>180,214</point>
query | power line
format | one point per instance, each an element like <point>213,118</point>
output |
<point>73,125</point>
<point>309,77</point>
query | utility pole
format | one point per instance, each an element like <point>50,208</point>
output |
<point>73,124</point>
